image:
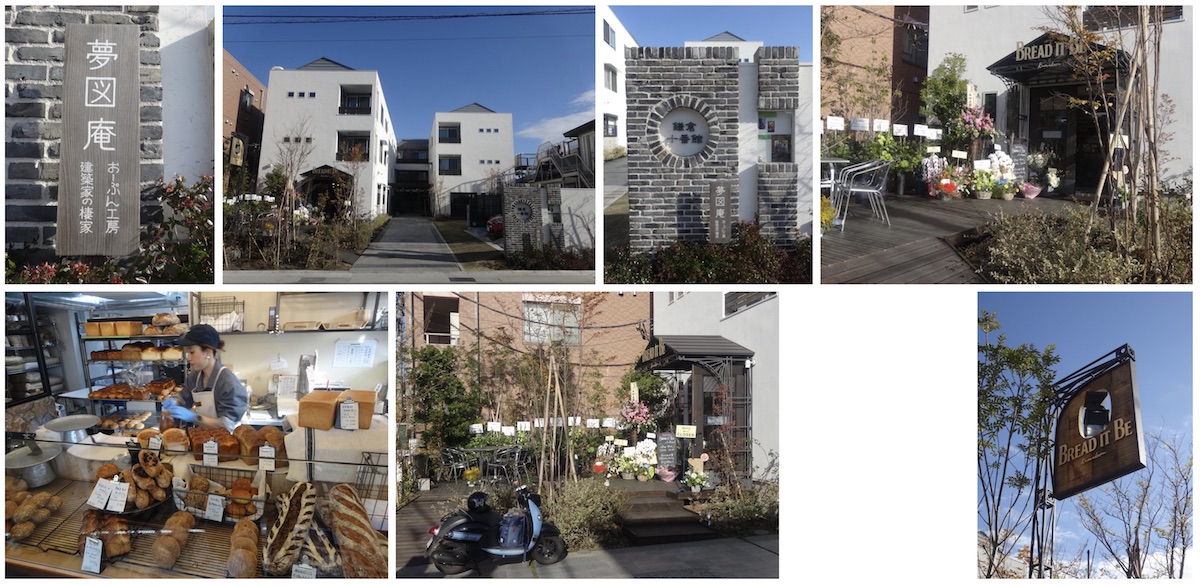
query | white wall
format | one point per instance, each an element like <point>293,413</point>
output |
<point>609,101</point>
<point>475,146</point>
<point>756,328</point>
<point>803,138</point>
<point>187,69</point>
<point>748,156</point>
<point>579,217</point>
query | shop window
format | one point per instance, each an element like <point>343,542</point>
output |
<point>551,321</point>
<point>989,104</point>
<point>916,46</point>
<point>610,35</point>
<point>449,133</point>
<point>449,165</point>
<point>737,302</point>
<point>610,125</point>
<point>1102,18</point>
<point>610,78</point>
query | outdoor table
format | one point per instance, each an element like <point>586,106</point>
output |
<point>829,173</point>
<point>483,452</point>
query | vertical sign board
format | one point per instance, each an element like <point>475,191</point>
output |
<point>1082,462</point>
<point>1020,158</point>
<point>100,178</point>
<point>720,210</point>
<point>667,448</point>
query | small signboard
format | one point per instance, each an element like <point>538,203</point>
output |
<point>493,426</point>
<point>920,130</point>
<point>958,154</point>
<point>899,130</point>
<point>1020,154</point>
<point>99,195</point>
<point>835,123</point>
<point>685,431</point>
<point>881,125</point>
<point>667,448</point>
<point>720,212</point>
<point>860,124</point>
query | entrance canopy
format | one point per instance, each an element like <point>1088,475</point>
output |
<point>681,352</point>
<point>1049,57</point>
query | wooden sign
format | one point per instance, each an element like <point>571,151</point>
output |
<point>100,176</point>
<point>720,211</point>
<point>667,448</point>
<point>1020,154</point>
<point>1088,457</point>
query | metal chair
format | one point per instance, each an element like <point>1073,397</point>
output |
<point>872,183</point>
<point>840,191</point>
<point>498,463</point>
<point>454,463</point>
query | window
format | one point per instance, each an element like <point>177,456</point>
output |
<point>970,8</point>
<point>441,320</point>
<point>312,94</point>
<point>419,155</point>
<point>246,99</point>
<point>481,161</point>
<point>481,130</point>
<point>916,46</point>
<point>610,125</point>
<point>291,94</point>
<point>449,165</point>
<point>353,147</point>
<point>989,104</point>
<point>297,139</point>
<point>610,78</point>
<point>412,176</point>
<point>308,140</point>
<point>357,104</point>
<point>495,130</point>
<point>287,139</point>
<point>448,133</point>
<point>610,35</point>
<point>1102,18</point>
<point>735,302</point>
<point>551,320</point>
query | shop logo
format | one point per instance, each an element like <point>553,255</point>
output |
<point>1051,50</point>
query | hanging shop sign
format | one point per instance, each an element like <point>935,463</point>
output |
<point>1098,436</point>
<point>100,185</point>
<point>1039,51</point>
<point>720,211</point>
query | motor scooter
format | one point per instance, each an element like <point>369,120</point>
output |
<point>478,533</point>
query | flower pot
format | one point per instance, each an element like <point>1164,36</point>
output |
<point>695,489</point>
<point>1007,196</point>
<point>643,478</point>
<point>983,194</point>
<point>943,196</point>
<point>627,476</point>
<point>599,468</point>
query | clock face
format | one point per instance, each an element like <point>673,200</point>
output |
<point>523,211</point>
<point>684,132</point>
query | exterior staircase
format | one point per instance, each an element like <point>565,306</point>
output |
<point>654,517</point>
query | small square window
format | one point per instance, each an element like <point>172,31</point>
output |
<point>287,139</point>
<point>308,139</point>
<point>495,130</point>
<point>312,94</point>
<point>297,139</point>
<point>291,94</point>
<point>481,161</point>
<point>481,130</point>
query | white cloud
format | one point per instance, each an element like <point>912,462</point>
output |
<point>551,129</point>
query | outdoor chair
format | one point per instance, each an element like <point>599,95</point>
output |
<point>454,463</point>
<point>520,459</point>
<point>873,184</point>
<point>840,191</point>
<point>498,463</point>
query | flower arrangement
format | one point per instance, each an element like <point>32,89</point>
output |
<point>947,185</point>
<point>637,416</point>
<point>1052,178</point>
<point>976,124</point>
<point>627,465</point>
<point>666,473</point>
<point>982,180</point>
<point>472,474</point>
<point>1030,190</point>
<point>695,478</point>
<point>645,469</point>
<point>932,168</point>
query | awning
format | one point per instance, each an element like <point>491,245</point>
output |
<point>1049,56</point>
<point>680,352</point>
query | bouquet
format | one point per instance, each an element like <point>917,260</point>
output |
<point>695,478</point>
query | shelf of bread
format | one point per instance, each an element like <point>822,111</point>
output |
<point>138,352</point>
<point>155,390</point>
<point>162,324</point>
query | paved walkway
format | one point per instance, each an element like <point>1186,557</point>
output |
<point>407,243</point>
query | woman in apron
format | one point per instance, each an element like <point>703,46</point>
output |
<point>212,395</point>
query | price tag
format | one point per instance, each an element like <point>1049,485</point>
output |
<point>210,453</point>
<point>101,494</point>
<point>621,442</point>
<point>609,438</point>
<point>304,572</point>
<point>216,507</point>
<point>91,555</point>
<point>156,442</point>
<point>120,493</point>
<point>349,415</point>
<point>651,435</point>
<point>266,458</point>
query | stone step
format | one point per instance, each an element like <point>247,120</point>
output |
<point>668,533</point>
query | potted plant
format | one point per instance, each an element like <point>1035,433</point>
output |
<point>982,183</point>
<point>472,475</point>
<point>1052,179</point>
<point>695,480</point>
<point>932,169</point>
<point>627,467</point>
<point>645,471</point>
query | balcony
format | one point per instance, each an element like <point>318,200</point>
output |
<point>354,110</point>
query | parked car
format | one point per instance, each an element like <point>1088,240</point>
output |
<point>495,226</point>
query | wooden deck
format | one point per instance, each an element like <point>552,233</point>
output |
<point>913,249</point>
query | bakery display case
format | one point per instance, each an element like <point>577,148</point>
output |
<point>32,359</point>
<point>112,485</point>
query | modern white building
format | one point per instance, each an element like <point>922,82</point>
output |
<point>1019,76</point>
<point>706,341</point>
<point>469,148</point>
<point>339,116</point>
<point>611,42</point>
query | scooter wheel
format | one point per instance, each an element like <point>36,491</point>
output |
<point>449,569</point>
<point>550,549</point>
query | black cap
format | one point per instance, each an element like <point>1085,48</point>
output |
<point>201,335</point>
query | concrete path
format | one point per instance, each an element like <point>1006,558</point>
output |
<point>752,557</point>
<point>616,180</point>
<point>407,243</point>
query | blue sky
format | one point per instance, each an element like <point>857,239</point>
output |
<point>1083,327</point>
<point>670,26</point>
<point>539,68</point>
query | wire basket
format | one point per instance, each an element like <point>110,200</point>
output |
<point>372,485</point>
<point>224,313</point>
<point>220,479</point>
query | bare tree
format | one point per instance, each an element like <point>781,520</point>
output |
<point>294,151</point>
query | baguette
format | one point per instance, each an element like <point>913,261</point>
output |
<point>286,537</point>
<point>363,550</point>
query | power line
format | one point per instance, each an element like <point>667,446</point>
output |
<point>236,19</point>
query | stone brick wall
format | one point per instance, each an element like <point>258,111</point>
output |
<point>778,202</point>
<point>667,194</point>
<point>778,78</point>
<point>33,75</point>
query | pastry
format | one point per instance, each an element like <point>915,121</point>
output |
<point>241,563</point>
<point>197,495</point>
<point>55,503</point>
<point>165,551</point>
<point>363,550</point>
<point>149,462</point>
<point>10,507</point>
<point>22,530</point>
<point>163,480</point>
<point>39,516</point>
<point>286,537</point>
<point>116,530</point>
<point>141,478</point>
<point>107,471</point>
<point>20,497</point>
<point>142,500</point>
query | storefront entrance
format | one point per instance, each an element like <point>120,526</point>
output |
<point>1077,140</point>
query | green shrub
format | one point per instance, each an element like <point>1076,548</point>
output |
<point>750,257</point>
<point>623,265</point>
<point>586,512</point>
<point>552,258</point>
<point>735,512</point>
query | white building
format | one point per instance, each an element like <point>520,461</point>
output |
<point>708,339</point>
<point>610,50</point>
<point>468,149</point>
<point>1012,66</point>
<point>331,110</point>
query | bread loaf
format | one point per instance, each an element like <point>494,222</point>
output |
<point>363,550</point>
<point>165,551</point>
<point>320,551</point>
<point>164,319</point>
<point>286,537</point>
<point>318,409</point>
<point>241,564</point>
<point>249,441</point>
<point>274,437</point>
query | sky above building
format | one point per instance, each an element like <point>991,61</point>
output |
<point>671,26</point>
<point>541,68</point>
<point>1084,327</point>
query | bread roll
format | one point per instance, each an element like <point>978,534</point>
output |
<point>244,542</point>
<point>164,319</point>
<point>22,530</point>
<point>39,516</point>
<point>165,551</point>
<point>176,530</point>
<point>241,564</point>
<point>247,527</point>
<point>142,500</point>
<point>20,497</point>
<point>10,507</point>
<point>176,330</point>
<point>152,331</point>
<point>187,519</point>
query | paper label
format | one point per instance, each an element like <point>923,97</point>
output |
<point>210,453</point>
<point>933,149</point>
<point>266,458</point>
<point>609,422</point>
<point>958,154</point>
<point>156,443</point>
<point>216,507</point>
<point>651,435</point>
<point>685,431</point>
<point>278,364</point>
<point>524,425</point>
<point>508,430</point>
<point>621,442</point>
<point>835,123</point>
<point>91,555</point>
<point>120,493</point>
<point>633,393</point>
<point>304,572</point>
<point>899,130</point>
<point>100,494</point>
<point>593,424</point>
<point>349,415</point>
<point>609,438</point>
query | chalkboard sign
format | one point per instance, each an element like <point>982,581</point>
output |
<point>1020,152</point>
<point>667,449</point>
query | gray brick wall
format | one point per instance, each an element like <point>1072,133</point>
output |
<point>779,201</point>
<point>33,72</point>
<point>778,78</point>
<point>522,236</point>
<point>667,194</point>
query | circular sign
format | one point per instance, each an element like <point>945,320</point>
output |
<point>523,211</point>
<point>684,132</point>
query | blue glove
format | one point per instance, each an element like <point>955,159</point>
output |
<point>170,402</point>
<point>179,413</point>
